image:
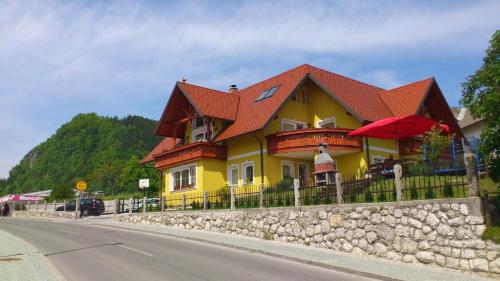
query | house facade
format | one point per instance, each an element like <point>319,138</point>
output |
<point>271,130</point>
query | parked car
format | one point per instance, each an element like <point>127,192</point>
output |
<point>88,207</point>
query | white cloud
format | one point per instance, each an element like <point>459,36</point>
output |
<point>58,58</point>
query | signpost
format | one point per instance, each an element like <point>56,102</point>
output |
<point>143,184</point>
<point>81,186</point>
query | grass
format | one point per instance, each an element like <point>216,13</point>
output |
<point>492,233</point>
<point>487,184</point>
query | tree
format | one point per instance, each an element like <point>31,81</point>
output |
<point>481,94</point>
<point>436,143</point>
<point>62,191</point>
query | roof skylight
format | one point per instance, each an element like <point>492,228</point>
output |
<point>267,93</point>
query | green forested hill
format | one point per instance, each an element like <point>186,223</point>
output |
<point>104,151</point>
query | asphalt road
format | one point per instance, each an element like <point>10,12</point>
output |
<point>85,252</point>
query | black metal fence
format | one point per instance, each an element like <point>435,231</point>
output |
<point>419,180</point>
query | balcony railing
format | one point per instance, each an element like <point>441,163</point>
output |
<point>190,152</point>
<point>309,139</point>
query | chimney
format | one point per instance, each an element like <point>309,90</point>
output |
<point>232,89</point>
<point>323,162</point>
<point>184,80</point>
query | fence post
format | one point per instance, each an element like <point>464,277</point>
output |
<point>338,185</point>
<point>29,206</point>
<point>144,201</point>
<point>233,197</point>
<point>130,205</point>
<point>205,200</point>
<point>45,206</point>
<point>183,199</point>
<point>115,211</point>
<point>398,173</point>
<point>261,195</point>
<point>64,206</point>
<point>472,175</point>
<point>77,208</point>
<point>163,203</point>
<point>296,193</point>
<point>36,206</point>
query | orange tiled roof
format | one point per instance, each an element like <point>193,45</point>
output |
<point>364,101</point>
<point>166,144</point>
<point>406,100</point>
<point>210,102</point>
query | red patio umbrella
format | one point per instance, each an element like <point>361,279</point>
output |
<point>398,127</point>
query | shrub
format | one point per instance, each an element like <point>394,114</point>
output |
<point>448,189</point>
<point>368,195</point>
<point>382,197</point>
<point>413,190</point>
<point>429,190</point>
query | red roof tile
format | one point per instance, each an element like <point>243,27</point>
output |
<point>166,144</point>
<point>405,100</point>
<point>211,103</point>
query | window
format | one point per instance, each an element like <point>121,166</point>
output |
<point>247,172</point>
<point>183,178</point>
<point>329,122</point>
<point>233,175</point>
<point>287,169</point>
<point>198,122</point>
<point>267,93</point>
<point>292,125</point>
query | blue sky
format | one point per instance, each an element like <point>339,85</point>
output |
<point>61,58</point>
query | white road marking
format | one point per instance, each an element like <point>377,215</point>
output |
<point>137,251</point>
<point>67,231</point>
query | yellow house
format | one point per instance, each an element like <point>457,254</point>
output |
<point>271,130</point>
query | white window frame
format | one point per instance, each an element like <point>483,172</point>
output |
<point>292,167</point>
<point>180,169</point>
<point>293,123</point>
<point>307,169</point>
<point>198,130</point>
<point>230,175</point>
<point>327,120</point>
<point>244,166</point>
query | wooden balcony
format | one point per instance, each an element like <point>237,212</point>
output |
<point>411,146</point>
<point>309,139</point>
<point>190,152</point>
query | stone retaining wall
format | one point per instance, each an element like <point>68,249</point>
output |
<point>42,214</point>
<point>444,233</point>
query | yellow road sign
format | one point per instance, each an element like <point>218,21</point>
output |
<point>81,185</point>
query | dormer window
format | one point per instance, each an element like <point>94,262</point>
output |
<point>199,122</point>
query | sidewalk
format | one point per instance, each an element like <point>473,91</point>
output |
<point>361,265</point>
<point>21,261</point>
